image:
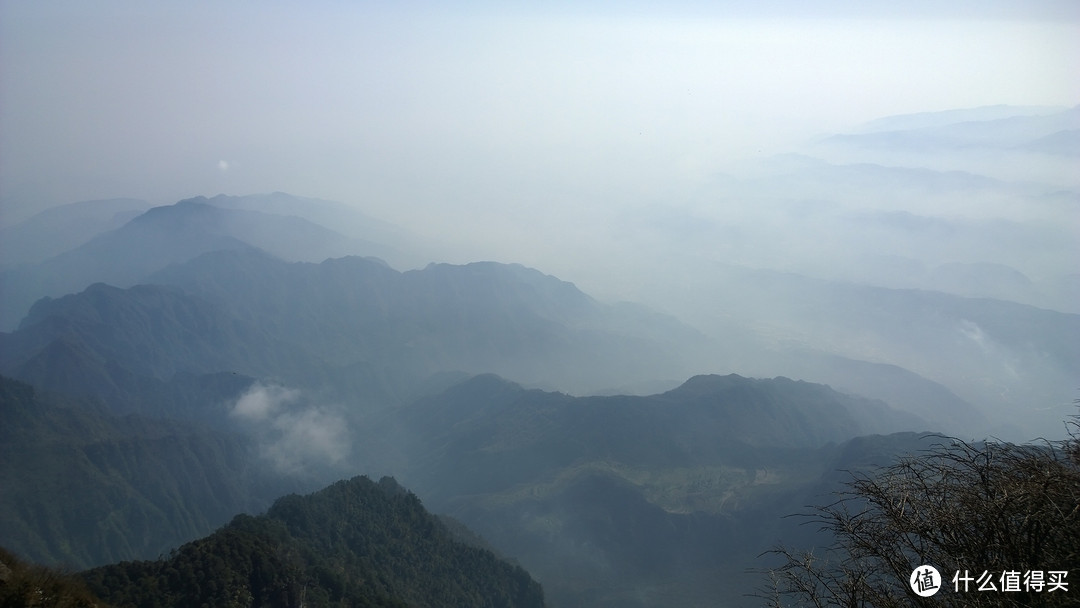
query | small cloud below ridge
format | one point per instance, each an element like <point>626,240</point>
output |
<point>294,434</point>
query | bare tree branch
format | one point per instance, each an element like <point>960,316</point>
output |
<point>959,506</point>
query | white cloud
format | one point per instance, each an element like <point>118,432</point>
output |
<point>294,434</point>
<point>307,437</point>
<point>262,401</point>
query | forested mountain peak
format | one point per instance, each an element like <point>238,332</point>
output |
<point>357,541</point>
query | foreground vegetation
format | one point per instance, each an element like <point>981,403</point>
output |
<point>999,521</point>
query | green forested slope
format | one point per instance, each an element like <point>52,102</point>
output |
<point>355,543</point>
<point>81,487</point>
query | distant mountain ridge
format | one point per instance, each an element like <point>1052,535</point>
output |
<point>116,343</point>
<point>1000,127</point>
<point>604,499</point>
<point>709,418</point>
<point>168,235</point>
<point>927,120</point>
<point>1001,355</point>
<point>479,317</point>
<point>376,237</point>
<point>58,229</point>
<point>245,311</point>
<point>355,312</point>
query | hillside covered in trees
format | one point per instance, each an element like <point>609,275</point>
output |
<point>355,543</point>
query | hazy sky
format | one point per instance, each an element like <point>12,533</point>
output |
<point>486,110</point>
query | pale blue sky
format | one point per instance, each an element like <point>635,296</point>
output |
<point>486,107</point>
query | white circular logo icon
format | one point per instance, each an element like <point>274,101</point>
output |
<point>925,581</point>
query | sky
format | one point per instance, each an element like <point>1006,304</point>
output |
<point>480,111</point>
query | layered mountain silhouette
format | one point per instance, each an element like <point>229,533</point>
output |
<point>493,424</point>
<point>126,346</point>
<point>607,498</point>
<point>167,235</point>
<point>247,312</point>
<point>613,501</point>
<point>58,229</point>
<point>1002,355</point>
<point>353,319</point>
<point>480,317</point>
<point>999,127</point>
<point>203,357</point>
<point>1061,143</point>
<point>377,238</point>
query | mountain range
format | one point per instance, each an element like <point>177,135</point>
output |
<point>607,500</point>
<point>179,381</point>
<point>249,313</point>
<point>59,229</point>
<point>1000,127</point>
<point>351,317</point>
<point>163,236</point>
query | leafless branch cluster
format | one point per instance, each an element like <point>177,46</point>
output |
<point>977,507</point>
